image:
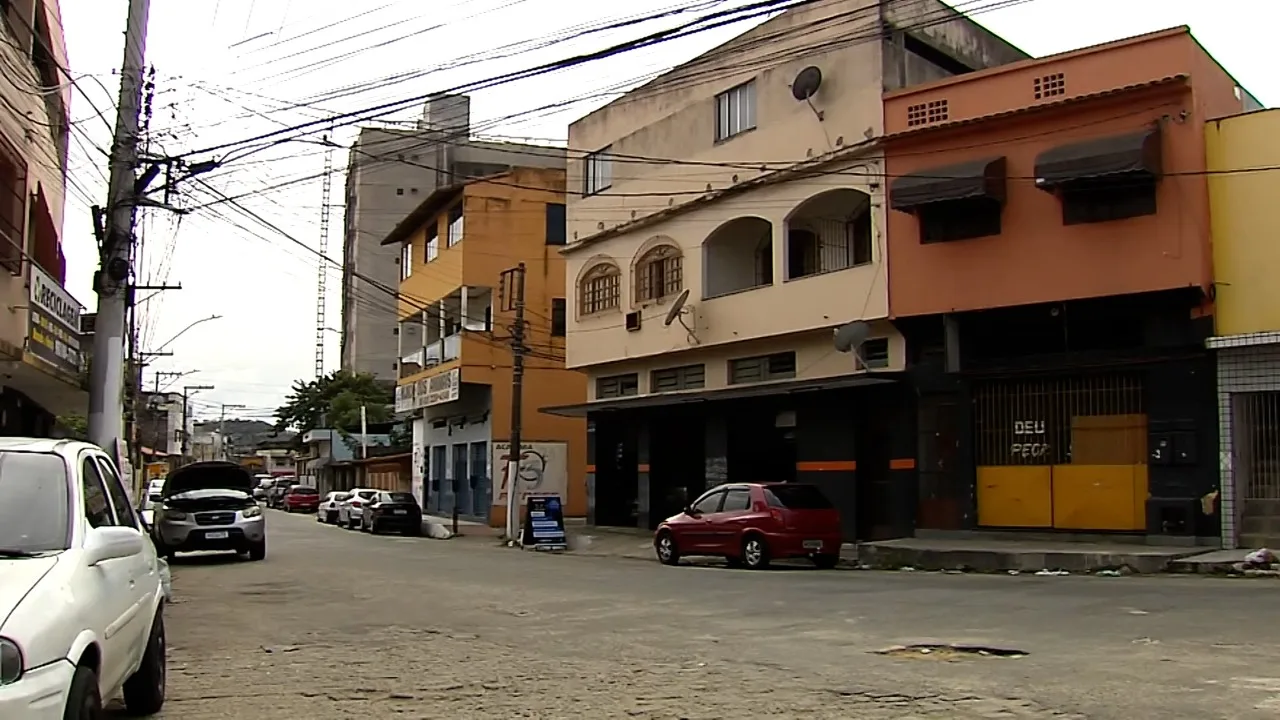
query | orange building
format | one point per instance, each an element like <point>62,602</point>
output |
<point>457,311</point>
<point>1051,269</point>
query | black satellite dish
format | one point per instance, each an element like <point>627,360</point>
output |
<point>806,84</point>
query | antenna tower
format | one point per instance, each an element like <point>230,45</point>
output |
<point>322,271</point>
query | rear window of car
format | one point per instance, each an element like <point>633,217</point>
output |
<point>338,496</point>
<point>401,497</point>
<point>304,490</point>
<point>796,497</point>
<point>366,494</point>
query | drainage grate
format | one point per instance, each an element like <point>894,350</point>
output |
<point>947,651</point>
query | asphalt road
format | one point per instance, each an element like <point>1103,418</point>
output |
<point>337,624</point>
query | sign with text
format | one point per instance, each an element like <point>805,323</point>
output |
<point>544,471</point>
<point>439,389</point>
<point>53,331</point>
<point>406,397</point>
<point>544,523</point>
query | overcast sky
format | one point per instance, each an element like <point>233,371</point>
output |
<point>225,70</point>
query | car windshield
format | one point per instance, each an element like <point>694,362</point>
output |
<point>398,497</point>
<point>34,515</point>
<point>366,494</point>
<point>796,497</point>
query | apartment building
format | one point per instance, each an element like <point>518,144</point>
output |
<point>726,221</point>
<point>457,312</point>
<point>40,340</point>
<point>1246,341</point>
<point>1052,273</point>
<point>389,173</point>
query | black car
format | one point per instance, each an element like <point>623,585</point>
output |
<point>392,511</point>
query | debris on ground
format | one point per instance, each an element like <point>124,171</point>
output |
<point>947,652</point>
<point>1053,572</point>
<point>1260,559</point>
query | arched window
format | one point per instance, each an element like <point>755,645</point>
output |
<point>659,273</point>
<point>600,289</point>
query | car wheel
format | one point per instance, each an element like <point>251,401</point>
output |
<point>755,553</point>
<point>144,691</point>
<point>83,700</point>
<point>258,551</point>
<point>825,562</point>
<point>665,546</point>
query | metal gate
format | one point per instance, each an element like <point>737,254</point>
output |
<point>1066,453</point>
<point>1256,437</point>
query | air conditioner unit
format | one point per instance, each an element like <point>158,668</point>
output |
<point>633,321</point>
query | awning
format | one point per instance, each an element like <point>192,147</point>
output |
<point>1132,154</point>
<point>965,181</point>
<point>781,387</point>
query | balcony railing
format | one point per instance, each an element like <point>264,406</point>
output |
<point>452,347</point>
<point>436,352</point>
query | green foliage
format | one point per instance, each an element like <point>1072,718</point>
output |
<point>402,436</point>
<point>334,401</point>
<point>74,426</point>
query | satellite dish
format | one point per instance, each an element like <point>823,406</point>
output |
<point>850,335</point>
<point>806,84</point>
<point>676,307</point>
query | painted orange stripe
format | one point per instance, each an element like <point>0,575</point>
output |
<point>827,466</point>
<point>642,467</point>
<point>591,468</point>
<point>902,464</point>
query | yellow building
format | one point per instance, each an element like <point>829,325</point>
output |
<point>456,313</point>
<point>1246,260</point>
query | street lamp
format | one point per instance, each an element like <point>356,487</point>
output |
<point>183,330</point>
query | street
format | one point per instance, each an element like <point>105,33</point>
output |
<point>338,624</point>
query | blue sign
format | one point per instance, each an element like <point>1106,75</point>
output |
<point>544,523</point>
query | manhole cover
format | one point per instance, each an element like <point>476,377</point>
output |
<point>945,651</point>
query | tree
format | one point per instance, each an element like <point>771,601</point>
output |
<point>74,426</point>
<point>334,401</point>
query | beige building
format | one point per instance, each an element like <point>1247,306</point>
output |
<point>41,365</point>
<point>730,217</point>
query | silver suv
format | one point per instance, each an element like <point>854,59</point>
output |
<point>210,506</point>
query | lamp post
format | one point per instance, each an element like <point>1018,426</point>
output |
<point>183,330</point>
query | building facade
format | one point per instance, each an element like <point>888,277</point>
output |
<point>727,218</point>
<point>1051,271</point>
<point>40,343</point>
<point>1247,322</point>
<point>389,173</point>
<point>457,311</point>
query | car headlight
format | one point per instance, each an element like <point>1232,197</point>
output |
<point>175,515</point>
<point>11,664</point>
<point>251,511</point>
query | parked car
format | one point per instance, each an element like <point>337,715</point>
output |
<point>328,510</point>
<point>753,523</point>
<point>81,601</point>
<point>392,511</point>
<point>351,509</point>
<point>301,498</point>
<point>210,506</point>
<point>154,489</point>
<point>279,486</point>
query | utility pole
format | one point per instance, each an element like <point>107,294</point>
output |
<point>515,279</point>
<point>364,432</point>
<point>111,281</point>
<point>222,428</point>
<point>186,410</point>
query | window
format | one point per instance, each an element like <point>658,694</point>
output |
<point>959,220</point>
<point>709,503</point>
<point>1095,201</point>
<point>659,274</point>
<point>597,172</point>
<point>736,111</point>
<point>874,353</point>
<point>600,290</point>
<point>13,207</point>
<point>780,366</point>
<point>736,500</point>
<point>433,243</point>
<point>687,377</point>
<point>119,498</point>
<point>399,191</point>
<point>557,232</point>
<point>406,260</point>
<point>97,506</point>
<point>455,225</point>
<point>796,497</point>
<point>617,386</point>
<point>558,317</point>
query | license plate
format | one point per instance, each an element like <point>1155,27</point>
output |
<point>399,512</point>
<point>812,544</point>
<point>217,535</point>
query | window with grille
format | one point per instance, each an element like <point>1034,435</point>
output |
<point>558,324</point>
<point>13,207</point>
<point>1050,86</point>
<point>433,243</point>
<point>597,172</point>
<point>617,386</point>
<point>659,274</point>
<point>687,377</point>
<point>875,353</point>
<point>406,261</point>
<point>600,290</point>
<point>736,111</point>
<point>927,113</point>
<point>779,366</point>
<point>455,225</point>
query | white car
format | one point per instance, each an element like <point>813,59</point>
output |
<point>81,602</point>
<point>328,511</point>
<point>350,509</point>
<point>155,490</point>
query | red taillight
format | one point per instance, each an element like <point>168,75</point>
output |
<point>355,503</point>
<point>777,515</point>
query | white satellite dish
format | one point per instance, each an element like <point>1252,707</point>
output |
<point>851,335</point>
<point>676,307</point>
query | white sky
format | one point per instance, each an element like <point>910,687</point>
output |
<point>224,68</point>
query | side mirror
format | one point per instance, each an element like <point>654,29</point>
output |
<point>111,543</point>
<point>691,511</point>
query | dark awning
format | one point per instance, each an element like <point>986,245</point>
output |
<point>1131,154</point>
<point>974,179</point>
<point>729,393</point>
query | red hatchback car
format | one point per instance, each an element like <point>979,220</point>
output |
<point>301,498</point>
<point>750,524</point>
